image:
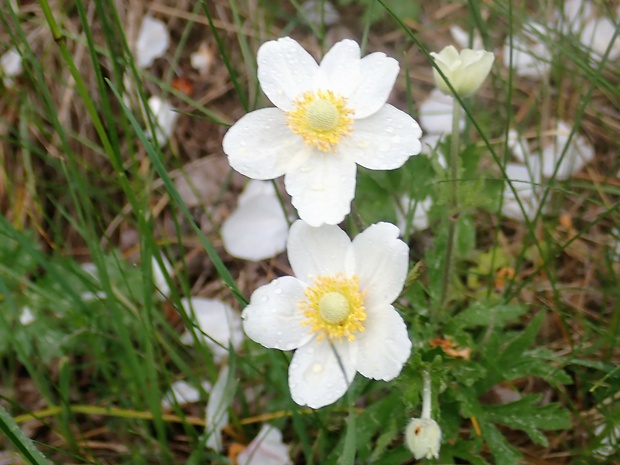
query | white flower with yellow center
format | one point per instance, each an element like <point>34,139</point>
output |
<point>337,312</point>
<point>328,118</point>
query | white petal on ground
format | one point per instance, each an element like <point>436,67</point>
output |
<point>519,147</point>
<point>220,324</point>
<point>182,392</point>
<point>316,251</point>
<point>273,317</point>
<point>153,41</point>
<point>202,58</point>
<point>10,67</point>
<point>579,153</point>
<point>378,75</point>
<point>461,37</point>
<point>216,414</point>
<point>419,218</point>
<point>381,262</point>
<point>530,56</point>
<point>523,180</point>
<point>257,229</point>
<point>575,14</point>
<point>384,347</point>
<point>597,34</point>
<point>267,448</point>
<point>322,188</point>
<point>159,278</point>
<point>383,141</point>
<point>261,146</point>
<point>316,378</point>
<point>319,12</point>
<point>435,113</point>
<point>285,71</point>
<point>26,316</point>
<point>165,118</point>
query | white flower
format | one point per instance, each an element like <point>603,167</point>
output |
<point>415,211</point>
<point>530,56</point>
<point>165,118</point>
<point>329,117</point>
<point>423,437</point>
<point>336,312</point>
<point>181,392</point>
<point>266,449</point>
<point>216,414</point>
<point>466,70</point>
<point>257,229</point>
<point>153,41</point>
<point>220,324</point>
<point>597,35</point>
<point>10,67</point>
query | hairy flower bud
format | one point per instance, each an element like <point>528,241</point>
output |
<point>423,437</point>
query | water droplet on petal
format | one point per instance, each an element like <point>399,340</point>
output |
<point>278,291</point>
<point>317,187</point>
<point>317,368</point>
<point>264,298</point>
<point>294,366</point>
<point>389,130</point>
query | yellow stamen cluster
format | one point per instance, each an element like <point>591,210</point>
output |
<point>334,307</point>
<point>321,118</point>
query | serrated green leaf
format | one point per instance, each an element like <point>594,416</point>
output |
<point>527,416</point>
<point>501,449</point>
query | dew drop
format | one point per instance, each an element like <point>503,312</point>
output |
<point>294,366</point>
<point>317,368</point>
<point>317,187</point>
<point>305,169</point>
<point>389,130</point>
<point>278,291</point>
<point>264,299</point>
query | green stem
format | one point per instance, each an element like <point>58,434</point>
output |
<point>454,200</point>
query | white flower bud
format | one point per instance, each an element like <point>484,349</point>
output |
<point>423,437</point>
<point>466,70</point>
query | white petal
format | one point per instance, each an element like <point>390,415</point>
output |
<point>181,392</point>
<point>435,113</point>
<point>220,324</point>
<point>316,378</point>
<point>165,118</point>
<point>285,71</point>
<point>261,146</point>
<point>610,441</point>
<point>529,55</point>
<point>322,188</point>
<point>384,346</point>
<point>266,449</point>
<point>153,41</point>
<point>578,154</point>
<point>257,229</point>
<point>317,251</point>
<point>159,278</point>
<point>523,180</point>
<point>202,58</point>
<point>273,318</point>
<point>216,414</point>
<point>419,217</point>
<point>378,74</point>
<point>381,263</point>
<point>383,141</point>
<point>319,12</point>
<point>26,316</point>
<point>255,189</point>
<point>597,35</point>
<point>10,66</point>
<point>341,68</point>
<point>519,146</point>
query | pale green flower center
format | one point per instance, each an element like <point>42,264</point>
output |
<point>322,115</point>
<point>334,307</point>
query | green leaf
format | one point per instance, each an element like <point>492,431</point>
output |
<point>465,235</point>
<point>485,314</point>
<point>20,440</point>
<point>528,416</point>
<point>503,452</point>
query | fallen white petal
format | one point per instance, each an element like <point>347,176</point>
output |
<point>159,278</point>
<point>10,67</point>
<point>153,41</point>
<point>201,59</point>
<point>165,118</point>
<point>267,448</point>
<point>26,317</point>
<point>216,414</point>
<point>181,392</point>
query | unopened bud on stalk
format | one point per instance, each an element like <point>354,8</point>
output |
<point>466,70</point>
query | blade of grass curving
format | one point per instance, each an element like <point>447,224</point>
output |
<point>174,194</point>
<point>220,46</point>
<point>17,437</point>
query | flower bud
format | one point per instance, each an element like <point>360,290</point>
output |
<point>466,70</point>
<point>423,437</point>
